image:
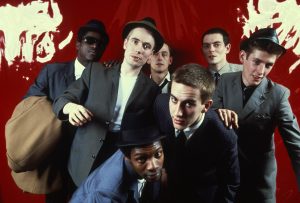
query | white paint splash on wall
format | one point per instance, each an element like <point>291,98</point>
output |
<point>267,13</point>
<point>28,31</point>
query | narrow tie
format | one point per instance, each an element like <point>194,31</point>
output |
<point>163,84</point>
<point>217,77</point>
<point>181,138</point>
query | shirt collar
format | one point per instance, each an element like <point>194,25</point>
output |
<point>224,69</point>
<point>167,77</point>
<point>79,68</point>
<point>189,131</point>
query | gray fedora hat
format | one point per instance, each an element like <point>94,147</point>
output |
<point>149,24</point>
<point>264,34</point>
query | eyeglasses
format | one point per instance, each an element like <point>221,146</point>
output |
<point>91,40</point>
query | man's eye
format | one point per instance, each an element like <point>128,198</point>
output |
<point>141,160</point>
<point>217,45</point>
<point>173,99</point>
<point>206,46</point>
<point>158,154</point>
<point>146,46</point>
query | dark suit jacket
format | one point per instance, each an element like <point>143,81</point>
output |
<point>210,169</point>
<point>97,90</point>
<point>53,80</point>
<point>267,108</point>
<point>114,181</point>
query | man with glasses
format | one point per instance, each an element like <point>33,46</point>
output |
<point>215,47</point>
<point>53,79</point>
<point>103,98</point>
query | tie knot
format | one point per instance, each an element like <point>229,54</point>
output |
<point>216,77</point>
<point>181,137</point>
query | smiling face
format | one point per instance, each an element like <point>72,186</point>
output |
<point>186,107</point>
<point>160,61</point>
<point>147,161</point>
<point>215,50</point>
<point>138,47</point>
<point>257,65</point>
<point>90,48</point>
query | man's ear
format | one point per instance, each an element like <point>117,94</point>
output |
<point>170,60</point>
<point>125,44</point>
<point>207,105</point>
<point>242,56</point>
<point>77,45</point>
<point>228,47</point>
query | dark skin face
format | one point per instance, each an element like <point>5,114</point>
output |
<point>90,48</point>
<point>147,161</point>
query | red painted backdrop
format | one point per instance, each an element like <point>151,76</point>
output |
<point>181,22</point>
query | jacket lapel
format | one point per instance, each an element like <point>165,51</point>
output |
<point>114,87</point>
<point>257,98</point>
<point>69,75</point>
<point>138,87</point>
<point>237,90</point>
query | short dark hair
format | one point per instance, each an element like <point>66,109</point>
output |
<point>196,76</point>
<point>217,30</point>
<point>263,45</point>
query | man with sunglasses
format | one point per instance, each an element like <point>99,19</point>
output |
<point>103,98</point>
<point>53,79</point>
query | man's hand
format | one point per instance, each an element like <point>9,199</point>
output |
<point>78,115</point>
<point>229,118</point>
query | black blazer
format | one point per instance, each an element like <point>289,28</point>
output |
<point>210,171</point>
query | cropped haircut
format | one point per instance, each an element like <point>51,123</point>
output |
<point>196,76</point>
<point>217,30</point>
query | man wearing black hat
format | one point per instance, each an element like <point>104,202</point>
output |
<point>53,79</point>
<point>102,98</point>
<point>261,105</point>
<point>132,174</point>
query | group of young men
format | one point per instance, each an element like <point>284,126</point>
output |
<point>207,138</point>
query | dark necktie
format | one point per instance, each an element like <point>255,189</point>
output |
<point>181,138</point>
<point>217,77</point>
<point>163,84</point>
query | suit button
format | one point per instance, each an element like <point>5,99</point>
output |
<point>107,122</point>
<point>101,140</point>
<point>94,156</point>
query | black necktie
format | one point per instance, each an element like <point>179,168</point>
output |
<point>217,77</point>
<point>181,139</point>
<point>163,84</point>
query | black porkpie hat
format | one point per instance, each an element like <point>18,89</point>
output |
<point>264,34</point>
<point>149,24</point>
<point>139,136</point>
<point>95,26</point>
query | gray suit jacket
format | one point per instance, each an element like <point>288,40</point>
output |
<point>267,108</point>
<point>97,90</point>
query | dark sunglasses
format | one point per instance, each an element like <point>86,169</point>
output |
<point>92,40</point>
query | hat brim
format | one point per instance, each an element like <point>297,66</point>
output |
<point>141,143</point>
<point>159,40</point>
<point>245,43</point>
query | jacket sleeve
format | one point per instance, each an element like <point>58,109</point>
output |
<point>76,93</point>
<point>289,131</point>
<point>41,85</point>
<point>229,171</point>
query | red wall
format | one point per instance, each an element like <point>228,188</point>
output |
<point>181,22</point>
